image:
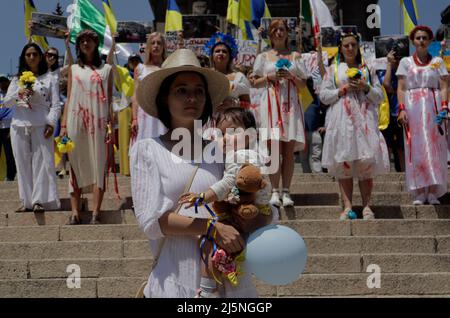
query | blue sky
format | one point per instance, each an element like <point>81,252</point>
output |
<point>13,38</point>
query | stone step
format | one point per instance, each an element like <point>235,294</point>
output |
<point>136,267</point>
<point>299,212</point>
<point>378,227</point>
<point>82,249</point>
<point>381,212</point>
<point>307,285</point>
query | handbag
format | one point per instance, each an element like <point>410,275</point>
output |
<point>140,292</point>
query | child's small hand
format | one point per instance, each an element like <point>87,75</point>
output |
<point>188,197</point>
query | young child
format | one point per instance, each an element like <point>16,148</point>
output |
<point>232,122</point>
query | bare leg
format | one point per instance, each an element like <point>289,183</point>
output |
<point>366,186</point>
<point>346,187</point>
<point>75,203</point>
<point>98,199</point>
<point>275,177</point>
<point>287,165</point>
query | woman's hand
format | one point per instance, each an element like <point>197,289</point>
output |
<point>391,57</point>
<point>285,74</point>
<point>48,132</point>
<point>25,92</point>
<point>188,198</point>
<point>134,128</point>
<point>402,118</point>
<point>358,85</point>
<point>229,238</point>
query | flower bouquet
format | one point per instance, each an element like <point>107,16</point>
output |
<point>64,144</point>
<point>353,73</point>
<point>26,80</point>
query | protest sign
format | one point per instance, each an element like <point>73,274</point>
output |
<point>53,26</point>
<point>133,31</point>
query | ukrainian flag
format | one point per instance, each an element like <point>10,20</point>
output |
<point>29,8</point>
<point>245,13</point>
<point>110,17</point>
<point>410,15</point>
<point>174,19</point>
<point>124,82</point>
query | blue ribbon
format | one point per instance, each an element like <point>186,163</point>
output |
<point>208,236</point>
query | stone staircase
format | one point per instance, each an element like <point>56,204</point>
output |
<point>411,245</point>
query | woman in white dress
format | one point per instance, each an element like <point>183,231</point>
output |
<point>222,50</point>
<point>422,97</point>
<point>354,146</point>
<point>33,123</point>
<point>142,125</point>
<point>280,106</point>
<point>179,94</point>
<point>87,119</point>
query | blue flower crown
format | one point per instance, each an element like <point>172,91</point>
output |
<point>221,38</point>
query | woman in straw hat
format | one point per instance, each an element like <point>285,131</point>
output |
<point>87,115</point>
<point>179,94</point>
<point>143,125</point>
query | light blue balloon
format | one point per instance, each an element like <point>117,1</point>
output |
<point>276,254</point>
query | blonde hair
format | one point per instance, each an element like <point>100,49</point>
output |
<point>148,52</point>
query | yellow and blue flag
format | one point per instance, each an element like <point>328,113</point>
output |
<point>124,82</point>
<point>410,15</point>
<point>110,17</point>
<point>247,13</point>
<point>29,8</point>
<point>174,19</point>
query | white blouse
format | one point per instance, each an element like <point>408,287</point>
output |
<point>45,103</point>
<point>158,178</point>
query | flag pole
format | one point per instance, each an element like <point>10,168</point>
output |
<point>400,18</point>
<point>300,30</point>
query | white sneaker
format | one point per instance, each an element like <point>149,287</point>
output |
<point>287,201</point>
<point>433,200</point>
<point>275,199</point>
<point>420,199</point>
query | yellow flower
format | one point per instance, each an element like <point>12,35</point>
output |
<point>27,79</point>
<point>436,65</point>
<point>352,72</point>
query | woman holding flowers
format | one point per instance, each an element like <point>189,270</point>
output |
<point>423,108</point>
<point>35,95</point>
<point>354,146</point>
<point>87,122</point>
<point>281,72</point>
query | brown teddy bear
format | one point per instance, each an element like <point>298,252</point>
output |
<point>241,203</point>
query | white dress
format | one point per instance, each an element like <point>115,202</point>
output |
<point>33,153</point>
<point>157,181</point>
<point>148,126</point>
<point>426,149</point>
<point>353,145</point>
<point>280,106</point>
<point>87,117</point>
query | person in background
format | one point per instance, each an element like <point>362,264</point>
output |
<point>423,105</point>
<point>5,135</point>
<point>142,125</point>
<point>354,146</point>
<point>280,105</point>
<point>37,110</point>
<point>393,133</point>
<point>87,121</point>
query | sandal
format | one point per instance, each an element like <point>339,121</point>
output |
<point>368,214</point>
<point>37,208</point>
<point>348,214</point>
<point>22,209</point>
<point>95,219</point>
<point>74,220</point>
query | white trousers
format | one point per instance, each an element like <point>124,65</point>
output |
<point>35,161</point>
<point>311,157</point>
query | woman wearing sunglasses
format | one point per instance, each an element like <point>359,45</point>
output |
<point>37,110</point>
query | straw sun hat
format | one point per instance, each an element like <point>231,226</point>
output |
<point>182,60</point>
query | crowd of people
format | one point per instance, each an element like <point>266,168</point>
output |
<point>338,134</point>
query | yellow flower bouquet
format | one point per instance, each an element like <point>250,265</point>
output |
<point>353,73</point>
<point>27,80</point>
<point>64,144</point>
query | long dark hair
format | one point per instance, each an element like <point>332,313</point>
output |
<point>23,66</point>
<point>163,108</point>
<point>55,65</point>
<point>81,57</point>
